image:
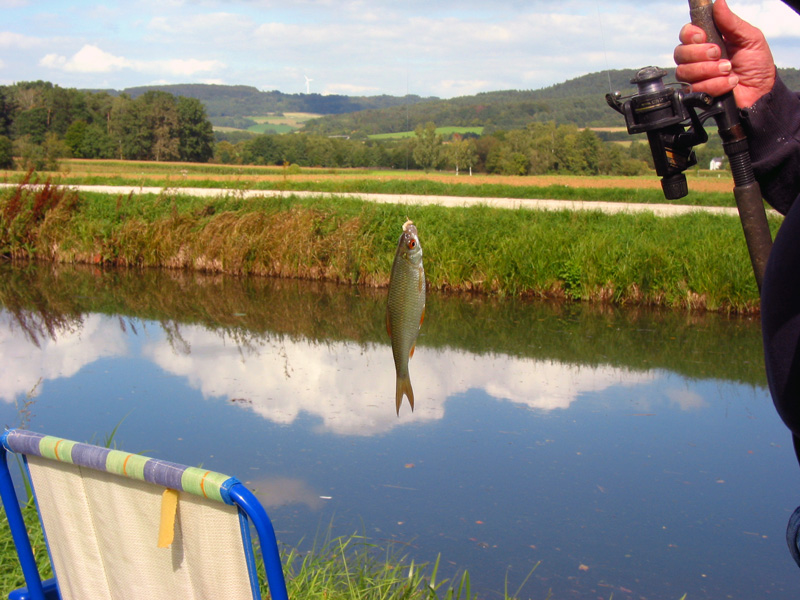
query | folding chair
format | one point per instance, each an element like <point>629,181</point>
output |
<point>120,526</point>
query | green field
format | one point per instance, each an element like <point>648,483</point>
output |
<point>275,123</point>
<point>443,131</point>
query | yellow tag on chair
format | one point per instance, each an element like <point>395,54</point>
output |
<point>169,508</point>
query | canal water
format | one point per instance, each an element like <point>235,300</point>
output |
<point>627,453</point>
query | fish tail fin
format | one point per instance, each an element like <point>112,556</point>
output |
<point>404,388</point>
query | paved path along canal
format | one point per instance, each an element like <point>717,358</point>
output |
<point>661,210</point>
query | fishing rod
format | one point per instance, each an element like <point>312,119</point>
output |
<point>669,115</point>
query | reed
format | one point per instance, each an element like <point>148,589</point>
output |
<point>695,261</point>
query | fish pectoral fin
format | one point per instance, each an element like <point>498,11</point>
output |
<point>411,352</point>
<point>422,318</point>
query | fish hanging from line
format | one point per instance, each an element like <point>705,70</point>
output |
<point>405,309</point>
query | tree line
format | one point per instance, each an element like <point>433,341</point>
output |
<point>537,149</point>
<point>41,122</point>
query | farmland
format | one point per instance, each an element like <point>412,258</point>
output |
<point>273,123</point>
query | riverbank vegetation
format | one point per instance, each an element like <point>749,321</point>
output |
<point>343,568</point>
<point>695,261</point>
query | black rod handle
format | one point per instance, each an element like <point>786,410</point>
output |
<point>746,189</point>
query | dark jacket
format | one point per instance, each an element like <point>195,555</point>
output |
<point>773,125</point>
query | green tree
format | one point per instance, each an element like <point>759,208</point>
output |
<point>7,108</point>
<point>161,115</point>
<point>6,153</point>
<point>31,123</point>
<point>195,131</point>
<point>263,150</point>
<point>96,143</point>
<point>590,147</point>
<point>227,154</point>
<point>463,153</point>
<point>427,146</point>
<point>74,136</point>
<point>129,129</point>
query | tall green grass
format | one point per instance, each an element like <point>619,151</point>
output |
<point>344,568</point>
<point>691,261</point>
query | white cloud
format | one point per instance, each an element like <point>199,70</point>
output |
<point>450,87</point>
<point>773,17</point>
<point>9,39</point>
<point>345,89</point>
<point>184,67</point>
<point>357,47</point>
<point>91,59</point>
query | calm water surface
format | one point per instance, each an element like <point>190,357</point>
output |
<point>634,454</point>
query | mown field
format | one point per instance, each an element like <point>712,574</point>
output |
<point>706,188</point>
<point>443,131</point>
<point>280,123</point>
<point>695,261</point>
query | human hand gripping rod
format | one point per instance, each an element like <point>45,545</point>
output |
<point>746,190</point>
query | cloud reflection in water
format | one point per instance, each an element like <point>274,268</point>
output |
<point>346,385</point>
<point>29,357</point>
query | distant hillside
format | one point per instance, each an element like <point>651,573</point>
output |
<point>579,101</point>
<point>246,101</point>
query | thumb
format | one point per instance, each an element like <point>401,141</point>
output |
<point>733,28</point>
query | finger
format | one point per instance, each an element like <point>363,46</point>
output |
<point>696,72</point>
<point>695,53</point>
<point>716,86</point>
<point>691,34</point>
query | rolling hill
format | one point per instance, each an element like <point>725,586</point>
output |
<point>579,101</point>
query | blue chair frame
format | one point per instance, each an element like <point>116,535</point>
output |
<point>37,589</point>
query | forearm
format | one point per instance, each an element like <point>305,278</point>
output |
<point>773,127</point>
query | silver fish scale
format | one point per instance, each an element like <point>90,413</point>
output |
<point>406,304</point>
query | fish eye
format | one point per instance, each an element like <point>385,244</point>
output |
<point>412,244</point>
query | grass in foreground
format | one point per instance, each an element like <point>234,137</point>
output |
<point>344,568</point>
<point>351,568</point>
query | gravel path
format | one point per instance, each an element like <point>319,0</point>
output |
<point>661,210</point>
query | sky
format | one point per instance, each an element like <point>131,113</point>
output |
<point>439,48</point>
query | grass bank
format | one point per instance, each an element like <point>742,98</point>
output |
<point>693,261</point>
<point>344,568</point>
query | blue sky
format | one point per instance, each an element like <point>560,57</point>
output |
<point>430,48</point>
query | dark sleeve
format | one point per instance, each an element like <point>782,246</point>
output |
<point>780,320</point>
<point>774,134</point>
<point>773,129</point>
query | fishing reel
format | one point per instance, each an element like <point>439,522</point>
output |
<point>668,115</point>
